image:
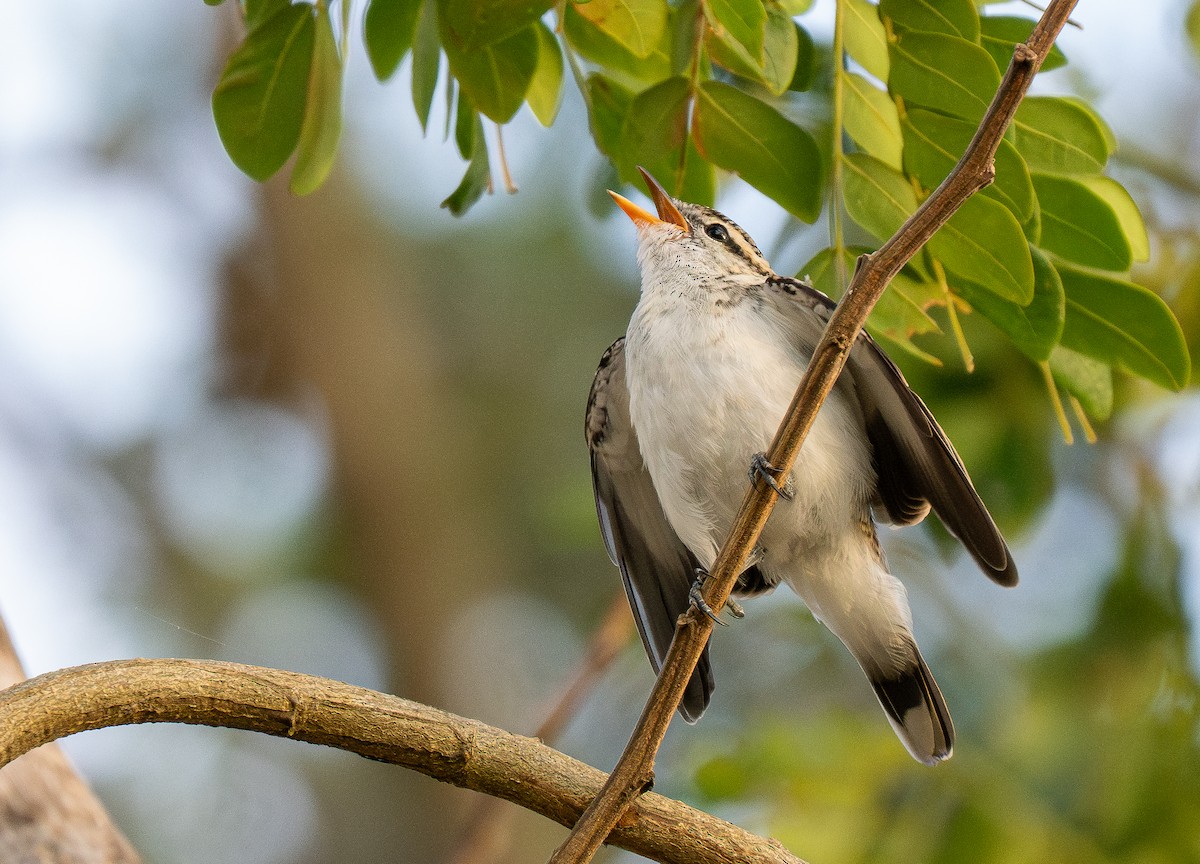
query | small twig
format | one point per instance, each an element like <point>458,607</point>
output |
<point>386,728</point>
<point>974,170</point>
<point>488,830</point>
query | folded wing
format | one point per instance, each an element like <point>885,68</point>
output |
<point>916,464</point>
<point>657,569</point>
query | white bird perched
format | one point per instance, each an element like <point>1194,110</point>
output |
<point>690,398</point>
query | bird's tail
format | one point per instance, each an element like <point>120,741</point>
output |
<point>915,708</point>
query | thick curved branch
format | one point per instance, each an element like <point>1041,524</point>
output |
<point>974,171</point>
<point>441,745</point>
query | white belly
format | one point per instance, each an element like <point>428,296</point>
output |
<point>707,391</point>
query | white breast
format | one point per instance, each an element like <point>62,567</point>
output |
<point>709,385</point>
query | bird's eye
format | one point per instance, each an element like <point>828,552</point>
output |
<point>717,232</point>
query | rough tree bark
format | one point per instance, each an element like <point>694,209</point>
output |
<point>48,815</point>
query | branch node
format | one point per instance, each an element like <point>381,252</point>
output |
<point>1023,54</point>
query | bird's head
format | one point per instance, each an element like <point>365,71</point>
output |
<point>690,241</point>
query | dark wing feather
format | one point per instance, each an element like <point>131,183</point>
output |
<point>657,569</point>
<point>916,463</point>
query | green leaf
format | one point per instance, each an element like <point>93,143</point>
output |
<point>743,21</point>
<point>802,78</point>
<point>475,180</point>
<point>1060,136</point>
<point>596,45</point>
<point>795,7</point>
<point>699,178</point>
<point>1130,218</point>
<point>1192,25</point>
<point>739,133</point>
<point>1125,325</point>
<point>497,76</point>
<point>1089,381</point>
<point>609,102</point>
<point>865,37</point>
<point>983,243</point>
<point>877,197</point>
<point>655,132</point>
<point>388,32</point>
<point>933,144</point>
<point>546,86</point>
<point>259,102</point>
<point>322,126</point>
<point>637,25</point>
<point>1079,225</point>
<point>951,17</point>
<point>778,66</point>
<point>1035,328</point>
<point>900,313</point>
<point>943,72</point>
<point>426,61</point>
<point>475,24</point>
<point>466,123</point>
<point>1000,33</point>
<point>872,122</point>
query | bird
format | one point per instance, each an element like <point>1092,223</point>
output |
<point>679,414</point>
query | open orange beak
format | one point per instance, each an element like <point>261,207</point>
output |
<point>668,213</point>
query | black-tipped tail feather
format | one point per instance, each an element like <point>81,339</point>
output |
<point>915,708</point>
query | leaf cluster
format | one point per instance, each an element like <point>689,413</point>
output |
<point>1043,253</point>
<point>692,87</point>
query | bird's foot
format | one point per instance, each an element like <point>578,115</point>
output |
<point>761,469</point>
<point>696,596</point>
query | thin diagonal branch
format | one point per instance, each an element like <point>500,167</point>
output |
<point>441,745</point>
<point>974,171</point>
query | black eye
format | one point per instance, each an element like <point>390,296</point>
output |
<point>717,232</point>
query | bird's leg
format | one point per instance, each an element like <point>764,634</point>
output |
<point>760,468</point>
<point>696,596</point>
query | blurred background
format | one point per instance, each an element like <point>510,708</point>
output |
<point>342,435</point>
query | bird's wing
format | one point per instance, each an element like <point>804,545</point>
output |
<point>656,567</point>
<point>915,461</point>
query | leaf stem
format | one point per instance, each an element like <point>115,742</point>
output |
<point>837,228</point>
<point>1056,402</point>
<point>1086,425</point>
<point>960,337</point>
<point>509,186</point>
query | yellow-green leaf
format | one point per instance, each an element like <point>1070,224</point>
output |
<point>322,127</point>
<point>426,61</point>
<point>546,86</point>
<point>952,17</point>
<point>638,25</point>
<point>777,68</point>
<point>259,102</point>
<point>872,121</point>
<point>1087,379</point>
<point>743,21</point>
<point>933,144</point>
<point>1060,136</point>
<point>1034,328</point>
<point>946,73</point>
<point>388,32</point>
<point>740,133</point>
<point>865,37</point>
<point>497,76</point>
<point>877,197</point>
<point>1125,325</point>
<point>1079,224</point>
<point>474,24</point>
<point>983,243</point>
<point>600,47</point>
